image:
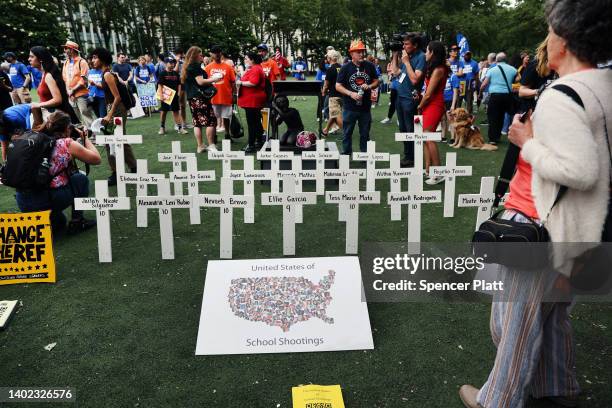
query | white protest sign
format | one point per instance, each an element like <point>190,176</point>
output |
<point>413,199</point>
<point>192,177</point>
<point>395,174</point>
<point>177,158</point>
<point>321,155</point>
<point>484,200</point>
<point>165,202</point>
<point>142,179</point>
<point>226,155</point>
<point>284,305</point>
<point>351,197</point>
<point>117,142</point>
<point>371,156</point>
<point>226,202</point>
<point>450,171</point>
<point>102,204</point>
<point>419,138</point>
<point>290,199</point>
<point>274,156</point>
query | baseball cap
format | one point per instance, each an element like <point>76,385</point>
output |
<point>169,59</point>
<point>262,46</point>
<point>9,55</point>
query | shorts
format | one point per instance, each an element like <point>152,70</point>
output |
<point>173,107</point>
<point>202,113</point>
<point>222,111</point>
<point>335,107</point>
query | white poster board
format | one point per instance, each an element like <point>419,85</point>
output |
<point>322,308</point>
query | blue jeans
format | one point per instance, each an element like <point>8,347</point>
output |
<point>349,120</point>
<point>56,199</point>
<point>406,109</point>
<point>507,122</point>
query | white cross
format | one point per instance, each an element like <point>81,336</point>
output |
<point>274,156</point>
<point>413,199</point>
<point>192,177</point>
<point>418,137</point>
<point>103,204</point>
<point>395,173</point>
<point>227,155</point>
<point>321,155</point>
<point>449,172</point>
<point>291,200</point>
<point>177,159</point>
<point>165,202</point>
<point>342,173</point>
<point>483,200</point>
<point>298,176</point>
<point>226,202</point>
<point>117,141</point>
<point>371,156</point>
<point>248,176</point>
<point>142,179</point>
<point>352,197</point>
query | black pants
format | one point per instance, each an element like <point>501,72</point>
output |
<point>290,137</point>
<point>393,98</point>
<point>499,105</point>
<point>253,118</point>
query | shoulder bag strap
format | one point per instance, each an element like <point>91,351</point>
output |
<point>505,79</point>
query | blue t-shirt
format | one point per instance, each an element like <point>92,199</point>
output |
<point>17,117</point>
<point>470,69</point>
<point>123,70</point>
<point>404,85</point>
<point>142,73</point>
<point>18,73</point>
<point>456,65</point>
<point>299,66</point>
<point>36,76</point>
<point>496,79</point>
<point>448,89</point>
<point>96,76</point>
<point>152,70</point>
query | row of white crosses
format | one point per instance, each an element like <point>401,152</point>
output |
<point>348,197</point>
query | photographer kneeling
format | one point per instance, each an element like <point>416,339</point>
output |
<point>67,182</point>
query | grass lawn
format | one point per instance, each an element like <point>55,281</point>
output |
<point>126,331</point>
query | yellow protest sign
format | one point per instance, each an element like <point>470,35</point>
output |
<point>317,396</point>
<point>165,94</point>
<point>26,248</point>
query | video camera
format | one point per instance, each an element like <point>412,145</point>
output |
<point>396,42</point>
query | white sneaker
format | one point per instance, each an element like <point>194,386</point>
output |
<point>176,127</point>
<point>162,131</point>
<point>202,149</point>
<point>212,148</point>
<point>183,131</point>
<point>220,130</point>
<point>385,121</point>
<point>434,180</point>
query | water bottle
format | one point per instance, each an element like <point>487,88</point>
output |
<point>360,93</point>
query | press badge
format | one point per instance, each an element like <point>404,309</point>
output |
<point>402,77</point>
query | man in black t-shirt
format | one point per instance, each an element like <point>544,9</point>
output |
<point>531,83</point>
<point>170,79</point>
<point>329,88</point>
<point>355,81</point>
<point>5,88</point>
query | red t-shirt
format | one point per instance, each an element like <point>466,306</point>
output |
<point>520,197</point>
<point>253,96</point>
<point>225,86</point>
<point>270,68</point>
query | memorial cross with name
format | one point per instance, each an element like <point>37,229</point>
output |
<point>274,156</point>
<point>249,175</point>
<point>291,200</point>
<point>226,201</point>
<point>320,155</point>
<point>342,173</point>
<point>192,177</point>
<point>142,180</point>
<point>450,171</point>
<point>484,200</point>
<point>226,155</point>
<point>102,204</point>
<point>371,156</point>
<point>164,201</point>
<point>177,158</point>
<point>298,176</point>
<point>352,198</point>
<point>116,143</point>
<point>419,137</point>
<point>395,174</point>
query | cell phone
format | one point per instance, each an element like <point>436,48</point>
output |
<point>525,116</point>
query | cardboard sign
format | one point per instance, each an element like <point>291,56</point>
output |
<point>26,248</point>
<point>146,94</point>
<point>314,396</point>
<point>165,94</point>
<point>283,305</point>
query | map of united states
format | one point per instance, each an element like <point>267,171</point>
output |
<point>281,301</point>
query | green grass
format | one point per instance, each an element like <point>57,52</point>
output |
<point>126,331</point>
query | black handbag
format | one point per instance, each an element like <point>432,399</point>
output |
<point>208,92</point>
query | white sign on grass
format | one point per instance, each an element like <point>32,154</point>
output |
<point>283,306</point>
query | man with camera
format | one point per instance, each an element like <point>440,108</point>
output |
<point>408,65</point>
<point>355,82</point>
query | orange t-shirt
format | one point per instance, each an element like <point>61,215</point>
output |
<point>225,87</point>
<point>520,197</point>
<point>270,69</point>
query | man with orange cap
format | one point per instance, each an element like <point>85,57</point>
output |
<point>355,82</point>
<point>74,73</point>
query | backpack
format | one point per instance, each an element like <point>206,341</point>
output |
<point>28,160</point>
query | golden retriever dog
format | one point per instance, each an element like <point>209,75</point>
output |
<point>466,134</point>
